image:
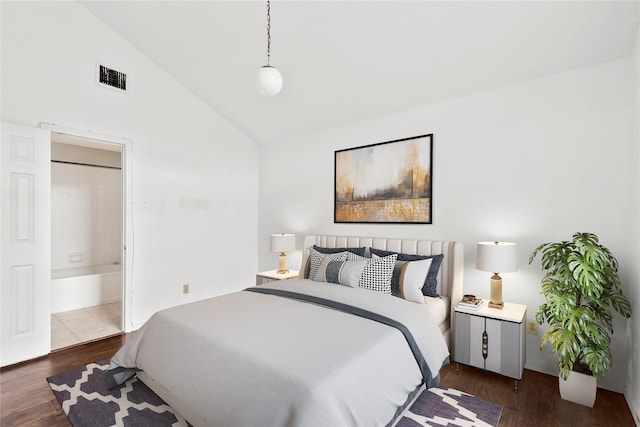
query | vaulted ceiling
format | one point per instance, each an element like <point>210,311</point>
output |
<point>346,61</point>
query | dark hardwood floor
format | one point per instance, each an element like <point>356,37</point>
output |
<point>27,400</point>
<point>537,401</point>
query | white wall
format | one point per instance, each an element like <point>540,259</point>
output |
<point>194,176</point>
<point>632,392</point>
<point>528,163</point>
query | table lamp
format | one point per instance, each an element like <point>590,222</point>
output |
<point>283,243</point>
<point>496,257</point>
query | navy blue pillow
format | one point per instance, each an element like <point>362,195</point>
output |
<point>431,283</point>
<point>357,251</point>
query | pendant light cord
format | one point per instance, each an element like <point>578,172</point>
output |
<point>268,31</point>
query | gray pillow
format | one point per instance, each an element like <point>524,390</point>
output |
<point>357,251</point>
<point>346,273</point>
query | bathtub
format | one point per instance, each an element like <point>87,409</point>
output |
<point>78,287</point>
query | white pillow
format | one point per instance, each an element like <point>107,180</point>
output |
<point>408,277</point>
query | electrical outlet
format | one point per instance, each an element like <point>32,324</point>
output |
<point>532,327</point>
<point>185,288</point>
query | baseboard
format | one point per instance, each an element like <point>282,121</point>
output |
<point>111,300</point>
<point>553,371</point>
<point>635,412</point>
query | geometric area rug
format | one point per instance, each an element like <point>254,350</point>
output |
<point>439,406</point>
<point>87,402</point>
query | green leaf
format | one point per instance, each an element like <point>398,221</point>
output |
<point>597,334</point>
<point>598,359</point>
<point>621,304</point>
<point>587,276</point>
<point>565,344</point>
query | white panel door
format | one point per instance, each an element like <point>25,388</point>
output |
<point>25,223</point>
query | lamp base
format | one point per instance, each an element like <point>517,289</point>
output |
<point>495,301</point>
<point>282,264</point>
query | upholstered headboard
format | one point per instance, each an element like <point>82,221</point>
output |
<point>451,270</point>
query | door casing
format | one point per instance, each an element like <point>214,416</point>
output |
<point>25,245</point>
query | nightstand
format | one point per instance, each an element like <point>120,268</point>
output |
<point>273,276</point>
<point>492,339</point>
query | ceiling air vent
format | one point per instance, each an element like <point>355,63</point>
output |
<point>111,78</point>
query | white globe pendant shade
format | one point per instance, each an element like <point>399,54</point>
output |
<point>268,80</point>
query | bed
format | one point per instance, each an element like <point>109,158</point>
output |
<point>305,351</point>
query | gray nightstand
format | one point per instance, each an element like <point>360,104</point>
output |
<point>273,275</point>
<point>492,339</point>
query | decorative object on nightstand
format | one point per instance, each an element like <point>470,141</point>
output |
<point>273,276</point>
<point>470,303</point>
<point>496,257</point>
<point>283,243</point>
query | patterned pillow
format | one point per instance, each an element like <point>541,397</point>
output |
<point>341,272</point>
<point>376,275</point>
<point>315,259</point>
<point>431,283</point>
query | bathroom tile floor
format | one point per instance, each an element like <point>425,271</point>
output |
<point>85,324</point>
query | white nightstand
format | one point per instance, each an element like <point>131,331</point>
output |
<point>273,275</point>
<point>492,339</point>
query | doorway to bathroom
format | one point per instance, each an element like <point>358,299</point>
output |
<point>87,250</point>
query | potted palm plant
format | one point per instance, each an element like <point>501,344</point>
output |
<point>581,286</point>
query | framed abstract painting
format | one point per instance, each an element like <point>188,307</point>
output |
<point>388,182</point>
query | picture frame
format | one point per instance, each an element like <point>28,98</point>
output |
<point>387,182</point>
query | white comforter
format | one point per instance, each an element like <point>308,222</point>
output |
<point>248,359</point>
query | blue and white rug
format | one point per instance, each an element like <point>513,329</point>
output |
<point>88,402</point>
<point>439,406</point>
<point>85,398</point>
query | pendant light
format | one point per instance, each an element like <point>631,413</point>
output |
<point>268,78</point>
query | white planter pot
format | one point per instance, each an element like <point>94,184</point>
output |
<point>579,388</point>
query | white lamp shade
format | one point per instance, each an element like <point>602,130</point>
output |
<point>268,81</point>
<point>496,257</point>
<point>283,243</point>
